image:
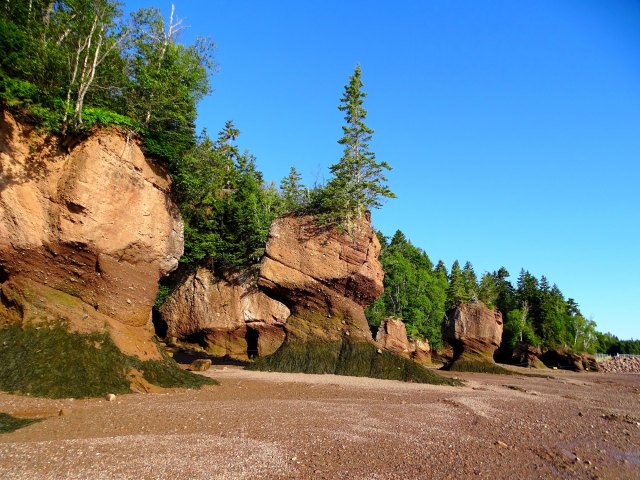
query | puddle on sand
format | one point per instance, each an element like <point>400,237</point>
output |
<point>631,457</point>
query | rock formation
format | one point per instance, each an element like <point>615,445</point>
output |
<point>227,316</point>
<point>527,356</point>
<point>474,331</point>
<point>392,336</point>
<point>84,235</point>
<point>325,276</point>
<point>567,360</point>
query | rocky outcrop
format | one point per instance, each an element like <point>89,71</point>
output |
<point>85,234</point>
<point>567,360</point>
<point>325,276</point>
<point>474,331</point>
<point>227,316</point>
<point>392,336</point>
<point>527,356</point>
<point>312,286</point>
<point>621,365</point>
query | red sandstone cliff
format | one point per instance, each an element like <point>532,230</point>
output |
<point>84,235</point>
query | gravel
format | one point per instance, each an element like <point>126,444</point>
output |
<point>275,425</point>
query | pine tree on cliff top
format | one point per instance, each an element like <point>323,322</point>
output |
<point>358,182</point>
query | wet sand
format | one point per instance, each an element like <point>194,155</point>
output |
<point>270,425</point>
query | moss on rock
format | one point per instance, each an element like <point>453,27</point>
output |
<point>50,361</point>
<point>347,357</point>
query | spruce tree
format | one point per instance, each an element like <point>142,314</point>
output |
<point>358,182</point>
<point>470,281</point>
<point>292,191</point>
<point>456,293</point>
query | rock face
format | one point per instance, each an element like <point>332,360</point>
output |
<point>84,235</point>
<point>527,356</point>
<point>474,331</point>
<point>566,360</point>
<point>324,276</point>
<point>228,316</point>
<point>392,336</point>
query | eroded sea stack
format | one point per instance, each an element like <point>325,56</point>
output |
<point>85,235</point>
<point>474,331</point>
<point>326,276</point>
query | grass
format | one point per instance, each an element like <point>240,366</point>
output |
<point>358,359</point>
<point>49,361</point>
<point>477,366</point>
<point>9,424</point>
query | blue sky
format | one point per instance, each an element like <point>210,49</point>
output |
<point>513,128</point>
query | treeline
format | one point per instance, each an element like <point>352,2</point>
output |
<point>534,312</point>
<point>609,343</point>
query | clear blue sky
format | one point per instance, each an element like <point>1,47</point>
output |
<point>513,127</point>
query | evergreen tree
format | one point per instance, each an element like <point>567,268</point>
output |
<point>358,182</point>
<point>470,281</point>
<point>292,191</point>
<point>488,290</point>
<point>456,292</point>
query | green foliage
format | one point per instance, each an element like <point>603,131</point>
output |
<point>163,293</point>
<point>50,361</point>
<point>413,290</point>
<point>103,118</point>
<point>293,191</point>
<point>350,358</point>
<point>10,424</point>
<point>358,182</point>
<point>457,292</point>
<point>609,343</point>
<point>226,206</point>
<point>71,64</point>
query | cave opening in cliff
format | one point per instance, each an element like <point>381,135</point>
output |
<point>4,275</point>
<point>159,324</point>
<point>252,343</point>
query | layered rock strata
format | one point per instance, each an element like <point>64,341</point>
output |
<point>227,316</point>
<point>85,235</point>
<point>474,331</point>
<point>325,276</point>
<point>392,336</point>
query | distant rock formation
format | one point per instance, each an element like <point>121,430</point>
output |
<point>227,316</point>
<point>325,276</point>
<point>474,331</point>
<point>85,235</point>
<point>567,360</point>
<point>392,336</point>
<point>527,356</point>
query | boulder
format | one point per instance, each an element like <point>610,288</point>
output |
<point>200,365</point>
<point>421,351</point>
<point>525,355</point>
<point>226,315</point>
<point>324,275</point>
<point>474,331</point>
<point>392,336</point>
<point>85,234</point>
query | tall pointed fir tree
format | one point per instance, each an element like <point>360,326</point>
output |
<point>358,182</point>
